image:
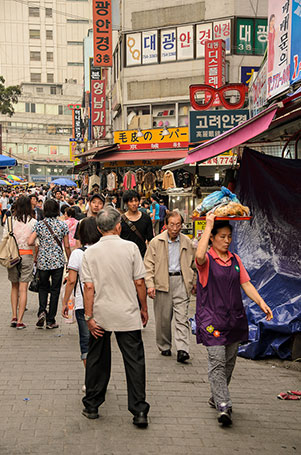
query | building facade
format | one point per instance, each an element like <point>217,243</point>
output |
<point>41,45</point>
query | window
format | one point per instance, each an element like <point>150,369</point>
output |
<point>35,56</point>
<point>75,43</point>
<point>33,11</point>
<point>30,107</point>
<point>52,90</point>
<point>48,12</point>
<point>50,78</point>
<point>60,109</point>
<point>39,90</point>
<point>35,77</point>
<point>75,64</point>
<point>49,56</point>
<point>49,34</point>
<point>78,21</point>
<point>34,34</point>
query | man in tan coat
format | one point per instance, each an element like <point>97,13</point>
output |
<point>170,279</point>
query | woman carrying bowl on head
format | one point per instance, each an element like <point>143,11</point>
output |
<point>221,321</point>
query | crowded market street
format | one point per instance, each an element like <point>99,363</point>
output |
<point>41,378</point>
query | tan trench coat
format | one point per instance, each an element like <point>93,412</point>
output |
<point>156,263</point>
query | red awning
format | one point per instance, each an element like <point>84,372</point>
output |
<point>149,155</point>
<point>234,137</point>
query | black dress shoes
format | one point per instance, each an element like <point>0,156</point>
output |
<point>182,356</point>
<point>90,413</point>
<point>140,420</point>
<point>166,353</point>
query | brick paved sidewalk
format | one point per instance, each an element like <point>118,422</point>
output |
<point>41,377</point>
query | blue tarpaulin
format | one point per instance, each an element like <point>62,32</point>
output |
<point>270,248</point>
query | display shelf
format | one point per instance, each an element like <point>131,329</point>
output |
<point>220,218</point>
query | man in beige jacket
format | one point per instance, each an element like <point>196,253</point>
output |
<point>170,278</point>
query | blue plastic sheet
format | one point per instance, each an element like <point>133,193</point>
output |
<point>269,247</point>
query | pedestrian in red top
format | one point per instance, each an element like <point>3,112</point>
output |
<point>221,321</point>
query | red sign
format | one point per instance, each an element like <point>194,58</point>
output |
<point>231,96</point>
<point>215,65</point>
<point>98,108</point>
<point>102,33</point>
<point>154,146</point>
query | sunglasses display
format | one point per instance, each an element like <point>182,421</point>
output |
<point>231,96</point>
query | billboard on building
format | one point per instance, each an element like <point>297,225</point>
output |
<point>258,91</point>
<point>185,42</point>
<point>150,47</point>
<point>102,32</point>
<point>133,49</point>
<point>295,67</point>
<point>77,124</point>
<point>279,37</point>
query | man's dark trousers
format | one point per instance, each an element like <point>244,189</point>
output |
<point>98,370</point>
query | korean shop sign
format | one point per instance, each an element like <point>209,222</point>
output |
<point>279,37</point>
<point>149,47</point>
<point>251,36</point>
<point>102,32</point>
<point>77,120</point>
<point>205,125</point>
<point>222,30</point>
<point>168,45</point>
<point>98,107</point>
<point>246,73</point>
<point>152,139</point>
<point>215,65</point>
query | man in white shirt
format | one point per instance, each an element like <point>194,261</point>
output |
<point>3,202</point>
<point>112,306</point>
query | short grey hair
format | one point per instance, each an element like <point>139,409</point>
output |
<point>107,219</point>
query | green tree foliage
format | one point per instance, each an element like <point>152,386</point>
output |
<point>8,97</point>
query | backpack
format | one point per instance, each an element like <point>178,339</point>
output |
<point>9,250</point>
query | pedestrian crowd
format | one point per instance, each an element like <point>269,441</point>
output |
<point>109,255</point>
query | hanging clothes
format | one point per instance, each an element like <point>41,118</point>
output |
<point>112,181</point>
<point>168,180</point>
<point>140,180</point>
<point>129,180</point>
<point>93,180</point>
<point>149,181</point>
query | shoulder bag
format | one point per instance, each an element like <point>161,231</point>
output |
<point>132,227</point>
<point>53,234</point>
<point>9,250</point>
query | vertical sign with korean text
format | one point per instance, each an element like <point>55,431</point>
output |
<point>185,42</point>
<point>102,32</point>
<point>203,33</point>
<point>133,49</point>
<point>98,108</point>
<point>77,127</point>
<point>295,67</point>
<point>279,36</point>
<point>261,36</point>
<point>215,65</point>
<point>149,47</point>
<point>168,45</point>
<point>244,36</point>
<point>222,30</point>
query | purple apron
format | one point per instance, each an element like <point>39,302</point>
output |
<point>220,315</point>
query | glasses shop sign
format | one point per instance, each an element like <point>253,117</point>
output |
<point>204,126</point>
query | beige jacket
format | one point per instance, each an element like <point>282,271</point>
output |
<point>156,263</point>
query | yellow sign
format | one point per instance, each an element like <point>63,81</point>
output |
<point>199,227</point>
<point>72,150</point>
<point>154,135</point>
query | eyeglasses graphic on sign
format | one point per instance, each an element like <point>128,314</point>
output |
<point>135,53</point>
<point>231,96</point>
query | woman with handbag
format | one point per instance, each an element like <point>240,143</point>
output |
<point>22,223</point>
<point>51,233</point>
